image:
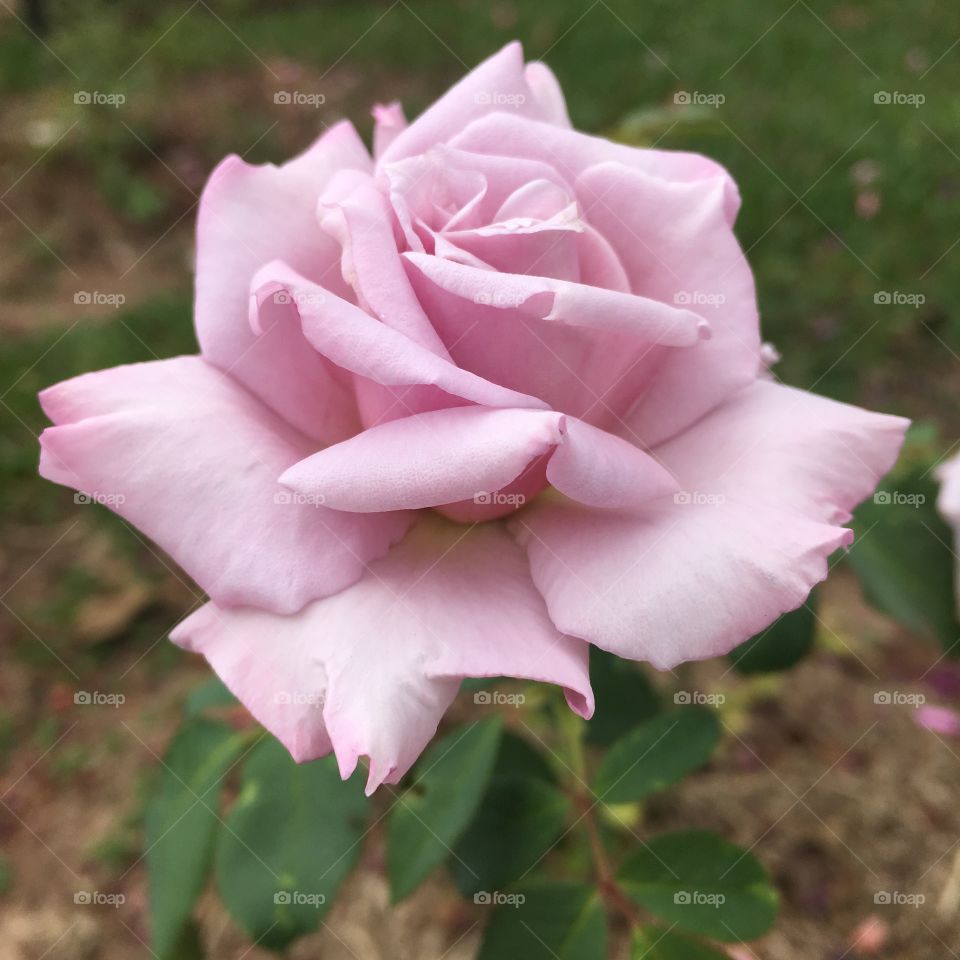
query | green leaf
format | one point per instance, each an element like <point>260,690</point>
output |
<point>291,837</point>
<point>652,943</point>
<point>547,921</point>
<point>903,556</point>
<point>785,642</point>
<point>429,818</point>
<point>657,753</point>
<point>210,693</point>
<point>624,697</point>
<point>181,820</point>
<point>703,884</point>
<point>519,819</point>
<point>516,756</point>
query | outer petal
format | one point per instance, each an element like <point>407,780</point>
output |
<point>948,503</point>
<point>463,453</point>
<point>496,84</point>
<point>547,93</point>
<point>767,477</point>
<point>192,459</point>
<point>676,246</point>
<point>372,669</point>
<point>389,122</point>
<point>248,216</point>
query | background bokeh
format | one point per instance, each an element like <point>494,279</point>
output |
<point>840,122</point>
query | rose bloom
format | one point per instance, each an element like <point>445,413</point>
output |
<point>460,410</point>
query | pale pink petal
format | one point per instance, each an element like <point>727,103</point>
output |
<point>601,470</point>
<point>356,214</point>
<point>583,350</point>
<point>389,122</point>
<point>547,93</point>
<point>467,453</point>
<point>357,342</point>
<point>429,459</point>
<point>373,669</point>
<point>948,503</point>
<point>560,302</point>
<point>248,216</point>
<point>571,152</point>
<point>191,458</point>
<point>676,246</point>
<point>498,83</point>
<point>765,480</point>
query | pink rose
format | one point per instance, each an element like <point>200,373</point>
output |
<point>398,353</point>
<point>948,503</point>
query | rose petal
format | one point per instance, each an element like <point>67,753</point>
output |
<point>677,247</point>
<point>373,669</point>
<point>547,93</point>
<point>192,459</point>
<point>765,478</point>
<point>465,453</point>
<point>357,342</point>
<point>248,216</point>
<point>495,84</point>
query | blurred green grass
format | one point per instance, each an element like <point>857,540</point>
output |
<point>843,198</point>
